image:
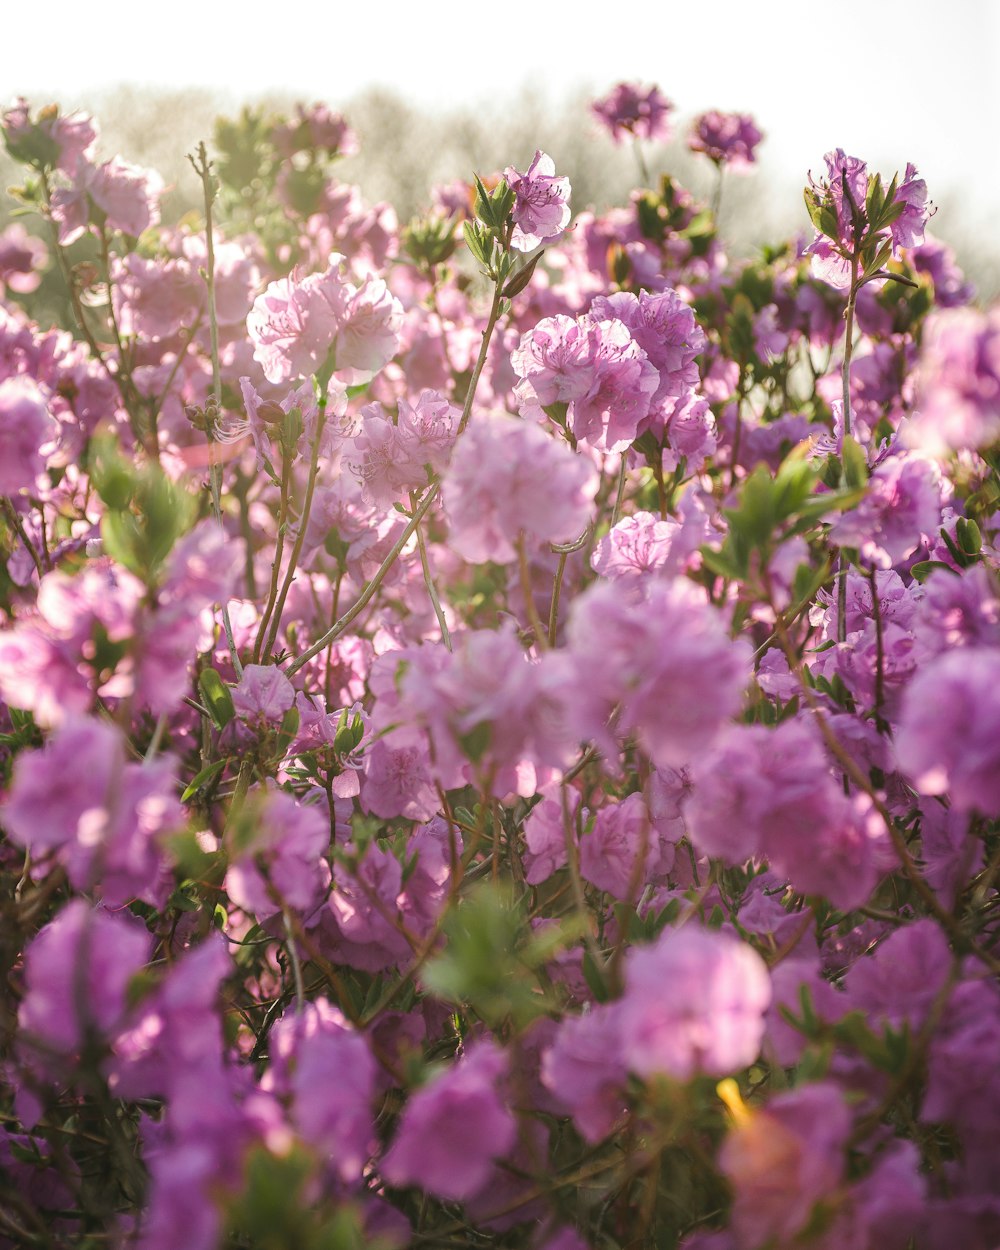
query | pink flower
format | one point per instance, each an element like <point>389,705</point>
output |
<point>541,203</point>
<point>710,1019</point>
<point>76,973</point>
<point>783,1160</point>
<point>949,734</point>
<point>729,139</point>
<point>453,1127</point>
<point>297,322</point>
<point>288,840</point>
<point>585,1070</point>
<point>27,432</point>
<point>125,196</point>
<point>628,110</point>
<point>660,649</point>
<point>507,478</point>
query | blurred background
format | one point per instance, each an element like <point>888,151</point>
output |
<point>436,90</point>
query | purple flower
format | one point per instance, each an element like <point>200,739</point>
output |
<point>948,740</point>
<point>958,382</point>
<point>327,1072</point>
<point>541,203</point>
<point>901,509</point>
<point>28,434</point>
<point>711,1020</point>
<point>770,792</point>
<point>263,695</point>
<point>453,1127</point>
<point>637,546</point>
<point>585,1070</point>
<point>664,653</point>
<point>278,855</point>
<point>622,851</point>
<point>629,110</point>
<point>76,972</point>
<point>728,139</point>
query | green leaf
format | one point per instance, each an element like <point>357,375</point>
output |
<point>855,463</point>
<point>924,568</point>
<point>202,780</point>
<point>217,698</point>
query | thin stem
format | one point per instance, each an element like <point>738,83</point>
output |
<point>842,563</point>
<point>370,589</point>
<point>556,592</point>
<point>300,535</point>
<point>204,170</point>
<point>293,955</point>
<point>15,520</point>
<point>366,596</point>
<point>620,495</point>
<point>530,607</point>
<point>279,547</point>
<point>429,580</point>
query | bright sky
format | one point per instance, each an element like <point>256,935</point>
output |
<point>888,80</point>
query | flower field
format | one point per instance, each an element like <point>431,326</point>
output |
<point>500,713</point>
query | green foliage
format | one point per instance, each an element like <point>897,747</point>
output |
<point>146,512</point>
<point>492,957</point>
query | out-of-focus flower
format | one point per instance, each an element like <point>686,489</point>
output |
<point>728,139</point>
<point>694,1002</point>
<point>630,110</point>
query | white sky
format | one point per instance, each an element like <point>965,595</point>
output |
<point>888,80</point>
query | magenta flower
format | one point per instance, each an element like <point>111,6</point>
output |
<point>541,203</point>
<point>585,1070</point>
<point>453,1127</point>
<point>728,139</point>
<point>958,383</point>
<point>694,1002</point>
<point>629,110</point>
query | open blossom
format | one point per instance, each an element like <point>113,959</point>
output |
<point>76,973</point>
<point>507,478</point>
<point>662,651</point>
<point>729,139</point>
<point>297,322</point>
<point>278,856</point>
<point>27,431</point>
<point>596,368</point>
<point>125,195</point>
<point>958,383</point>
<point>783,1160</point>
<point>629,110</point>
<point>453,1127</point>
<point>62,140</point>
<point>949,733</point>
<point>771,792</point>
<point>711,1017</point>
<point>541,203</point>
<point>844,191</point>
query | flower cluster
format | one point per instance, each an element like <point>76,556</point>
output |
<point>512,760</point>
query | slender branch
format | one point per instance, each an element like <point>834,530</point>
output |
<point>203,169</point>
<point>429,580</point>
